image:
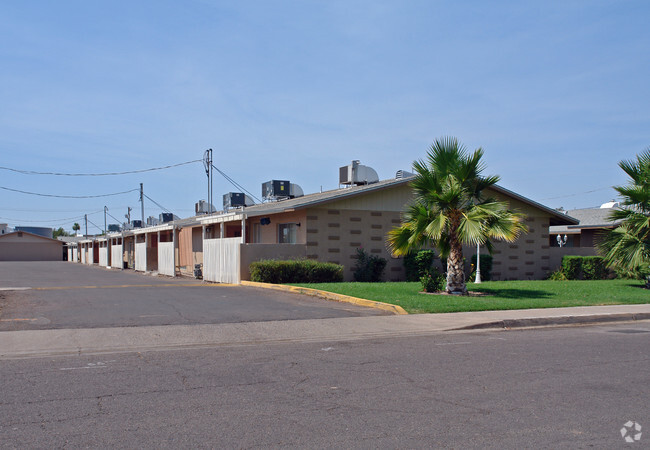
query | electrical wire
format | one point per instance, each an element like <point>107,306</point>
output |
<point>67,196</point>
<point>34,172</point>
<point>234,183</point>
<point>67,219</point>
<point>157,204</point>
<point>579,193</point>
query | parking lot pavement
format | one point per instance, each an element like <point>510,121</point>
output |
<point>68,295</point>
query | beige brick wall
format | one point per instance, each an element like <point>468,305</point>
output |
<point>333,235</point>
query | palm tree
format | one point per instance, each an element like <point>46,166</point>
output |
<point>449,209</point>
<point>628,245</point>
<point>76,227</point>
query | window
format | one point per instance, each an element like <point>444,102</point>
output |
<point>287,233</point>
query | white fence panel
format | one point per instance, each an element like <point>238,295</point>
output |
<point>166,264</point>
<point>90,258</point>
<point>221,259</point>
<point>70,254</point>
<point>84,253</point>
<point>103,256</point>
<point>116,256</point>
<point>141,256</point>
<point>75,254</point>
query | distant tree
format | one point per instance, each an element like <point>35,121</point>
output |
<point>628,246</point>
<point>59,232</point>
<point>76,227</point>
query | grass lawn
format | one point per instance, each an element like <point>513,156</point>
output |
<point>501,294</point>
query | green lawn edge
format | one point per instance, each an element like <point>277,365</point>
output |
<point>501,295</point>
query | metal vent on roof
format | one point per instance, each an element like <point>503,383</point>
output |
<point>357,174</point>
<point>403,174</point>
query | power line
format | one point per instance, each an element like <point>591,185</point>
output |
<point>234,183</point>
<point>579,193</point>
<point>61,174</point>
<point>157,204</point>
<point>67,196</point>
<point>67,219</point>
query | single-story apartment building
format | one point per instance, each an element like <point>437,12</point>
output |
<point>330,226</point>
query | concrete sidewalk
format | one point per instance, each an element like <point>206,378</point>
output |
<point>37,343</point>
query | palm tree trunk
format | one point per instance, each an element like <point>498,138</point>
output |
<point>455,269</point>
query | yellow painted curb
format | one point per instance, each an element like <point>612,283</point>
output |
<point>395,309</point>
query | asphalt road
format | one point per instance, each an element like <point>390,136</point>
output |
<point>68,295</point>
<point>554,388</point>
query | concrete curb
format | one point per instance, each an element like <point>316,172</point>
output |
<point>395,309</point>
<point>557,321</point>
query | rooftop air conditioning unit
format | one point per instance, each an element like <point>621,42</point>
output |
<point>236,200</point>
<point>357,174</point>
<point>167,217</point>
<point>113,228</point>
<point>152,221</point>
<point>136,223</point>
<point>203,207</point>
<point>276,189</point>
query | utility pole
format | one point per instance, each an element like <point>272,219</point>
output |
<point>142,204</point>
<point>128,215</point>
<point>105,231</point>
<point>86,220</point>
<point>207,163</point>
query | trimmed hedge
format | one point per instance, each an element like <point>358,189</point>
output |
<point>594,268</point>
<point>584,268</point>
<point>418,264</point>
<point>572,267</point>
<point>295,271</point>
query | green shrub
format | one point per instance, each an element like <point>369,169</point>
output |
<point>295,271</point>
<point>486,267</point>
<point>417,264</point>
<point>558,275</point>
<point>411,267</point>
<point>594,268</point>
<point>432,281</point>
<point>368,268</point>
<point>572,267</point>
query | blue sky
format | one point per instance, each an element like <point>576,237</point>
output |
<point>556,93</point>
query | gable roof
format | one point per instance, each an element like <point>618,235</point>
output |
<point>320,198</point>
<point>588,218</point>
<point>6,235</point>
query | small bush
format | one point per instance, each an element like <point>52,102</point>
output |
<point>433,281</point>
<point>486,267</point>
<point>295,271</point>
<point>572,267</point>
<point>369,268</point>
<point>593,268</point>
<point>417,264</point>
<point>558,275</point>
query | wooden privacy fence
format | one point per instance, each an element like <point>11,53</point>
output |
<point>103,256</point>
<point>141,256</point>
<point>221,259</point>
<point>116,256</point>
<point>166,264</point>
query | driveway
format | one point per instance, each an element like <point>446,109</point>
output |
<point>48,295</point>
